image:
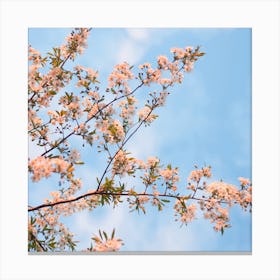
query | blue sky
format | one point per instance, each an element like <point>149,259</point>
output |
<point>206,120</point>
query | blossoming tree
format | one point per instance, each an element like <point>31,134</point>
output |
<point>107,121</point>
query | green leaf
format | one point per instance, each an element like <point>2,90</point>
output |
<point>105,234</point>
<point>52,92</point>
<point>96,239</point>
<point>79,162</point>
<point>113,234</point>
<point>183,203</point>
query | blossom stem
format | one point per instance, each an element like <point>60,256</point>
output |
<point>51,204</point>
<point>122,145</point>
<point>61,66</point>
<point>98,112</point>
<point>38,242</point>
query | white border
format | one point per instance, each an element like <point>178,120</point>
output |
<point>262,16</point>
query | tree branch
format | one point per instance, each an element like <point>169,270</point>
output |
<point>122,145</point>
<point>61,66</point>
<point>38,242</point>
<point>51,204</point>
<point>99,111</point>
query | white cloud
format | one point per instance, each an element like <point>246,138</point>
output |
<point>139,34</point>
<point>144,143</point>
<point>134,46</point>
<point>209,34</point>
<point>173,238</point>
<point>130,51</point>
<point>34,150</point>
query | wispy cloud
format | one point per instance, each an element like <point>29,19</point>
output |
<point>144,144</point>
<point>188,131</point>
<point>134,45</point>
<point>139,34</point>
<point>130,52</point>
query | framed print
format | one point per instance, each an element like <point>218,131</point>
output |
<point>134,133</point>
<point>97,145</point>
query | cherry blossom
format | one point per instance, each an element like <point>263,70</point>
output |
<point>107,120</point>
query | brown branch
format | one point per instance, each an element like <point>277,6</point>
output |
<point>51,204</point>
<point>99,111</point>
<point>46,83</point>
<point>111,160</point>
<point>38,242</point>
<point>97,192</point>
<point>122,145</point>
<point>61,66</point>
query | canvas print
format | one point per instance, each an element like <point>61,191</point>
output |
<point>139,140</point>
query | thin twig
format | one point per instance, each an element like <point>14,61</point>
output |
<point>30,209</point>
<point>61,66</point>
<point>93,116</point>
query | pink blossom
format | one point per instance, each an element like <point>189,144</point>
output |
<point>188,66</point>
<point>143,199</point>
<point>178,52</point>
<point>123,165</point>
<point>152,161</point>
<point>120,76</point>
<point>163,62</point>
<point>223,190</point>
<point>244,181</point>
<point>94,94</point>
<point>145,65</point>
<point>76,42</point>
<point>146,115</point>
<point>108,246</point>
<point>43,167</point>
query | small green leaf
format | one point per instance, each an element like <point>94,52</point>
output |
<point>113,234</point>
<point>52,92</point>
<point>105,235</point>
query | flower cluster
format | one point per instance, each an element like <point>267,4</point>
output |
<point>223,191</point>
<point>120,77</point>
<point>145,114</point>
<point>108,246</point>
<point>170,177</point>
<point>76,42</point>
<point>127,110</point>
<point>197,174</point>
<point>215,213</point>
<point>122,164</point>
<point>56,79</point>
<point>112,130</point>
<point>46,233</point>
<point>43,167</point>
<point>89,77</point>
<point>186,213</point>
<point>34,78</point>
<point>105,244</point>
<point>182,59</point>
